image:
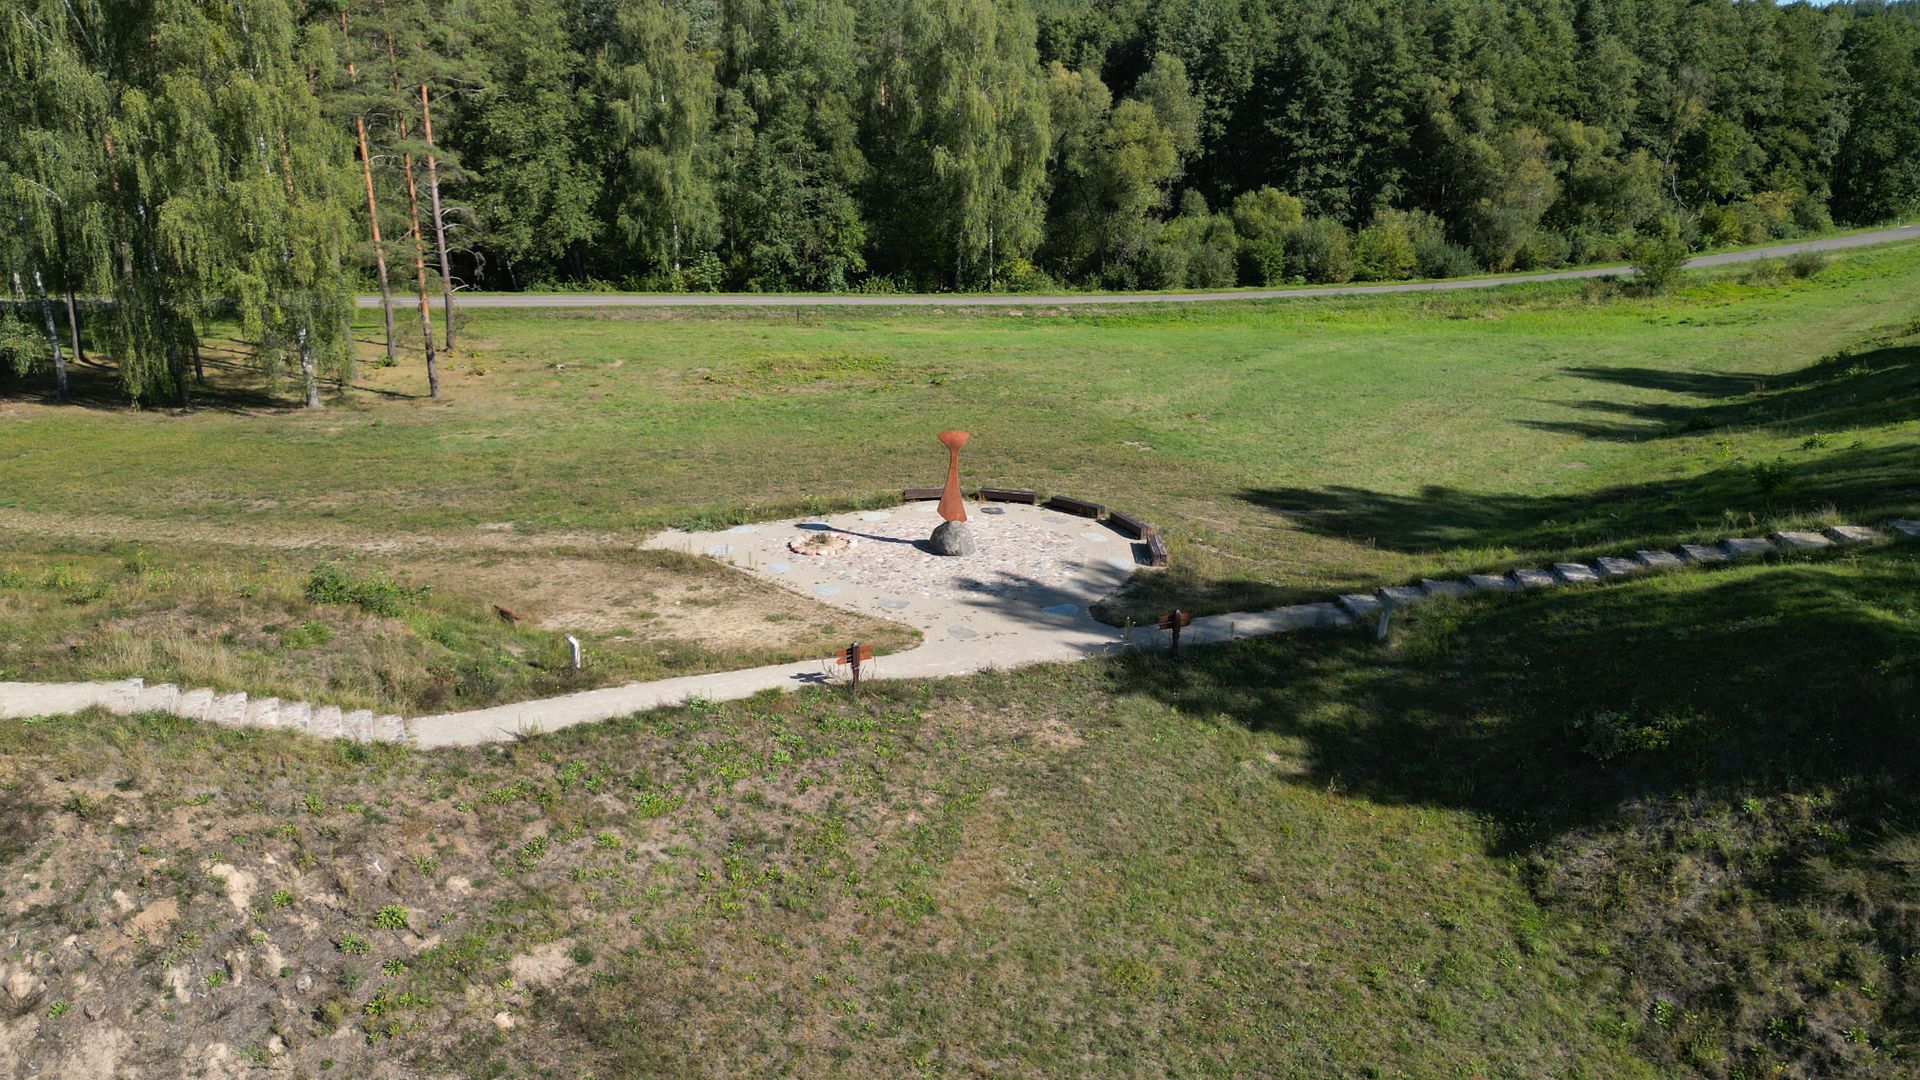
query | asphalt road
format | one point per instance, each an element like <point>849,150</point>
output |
<point>777,300</point>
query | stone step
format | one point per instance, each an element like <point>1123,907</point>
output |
<point>390,728</point>
<point>1359,604</point>
<point>1746,547</point>
<point>1701,553</point>
<point>1400,595</point>
<point>1574,573</point>
<point>125,696</point>
<point>161,697</point>
<point>1855,535</point>
<point>326,722</point>
<point>1658,560</point>
<point>1798,540</point>
<point>228,710</point>
<point>358,725</point>
<point>296,716</point>
<point>1528,577</point>
<point>263,712</point>
<point>1905,529</point>
<point>1436,589</point>
<point>194,704</point>
<point>1613,566</point>
<point>1491,582</point>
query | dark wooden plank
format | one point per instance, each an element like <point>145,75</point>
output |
<point>1156,550</point>
<point>1077,507</point>
<point>1010,495</point>
<point>1129,524</point>
<point>921,494</point>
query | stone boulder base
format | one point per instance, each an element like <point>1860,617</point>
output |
<point>953,538</point>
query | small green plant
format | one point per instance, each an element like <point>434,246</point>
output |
<point>281,898</point>
<point>1771,476</point>
<point>394,968</point>
<point>1816,441</point>
<point>58,1009</point>
<point>216,978</point>
<point>391,917</point>
<point>377,595</point>
<point>354,944</point>
<point>307,635</point>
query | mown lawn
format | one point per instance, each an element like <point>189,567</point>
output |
<point>1287,448</point>
<point>1652,828</point>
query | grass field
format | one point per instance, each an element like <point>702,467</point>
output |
<point>1505,844</point>
<point>1656,827</point>
<point>1288,449</point>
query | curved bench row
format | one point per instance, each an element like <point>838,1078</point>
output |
<point>1124,522</point>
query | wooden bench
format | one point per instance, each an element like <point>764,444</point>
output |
<point>1077,507</point>
<point>1010,495</point>
<point>1156,550</point>
<point>921,494</point>
<point>1130,525</point>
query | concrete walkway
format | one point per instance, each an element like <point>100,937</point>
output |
<point>1045,640</point>
<point>777,300</point>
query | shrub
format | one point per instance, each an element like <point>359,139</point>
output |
<point>1021,276</point>
<point>1263,262</point>
<point>1445,260</point>
<point>1806,264</point>
<point>1384,250</point>
<point>1543,249</point>
<point>1320,251</point>
<point>1659,259</point>
<point>704,274</point>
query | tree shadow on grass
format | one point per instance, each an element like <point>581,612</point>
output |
<point>1866,389</point>
<point>1866,482</point>
<point>1547,711</point>
<point>234,387</point>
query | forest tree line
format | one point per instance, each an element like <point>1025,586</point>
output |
<point>262,159</point>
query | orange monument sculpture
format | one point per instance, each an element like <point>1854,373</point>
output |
<point>952,536</point>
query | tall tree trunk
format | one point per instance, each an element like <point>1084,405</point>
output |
<point>66,280</point>
<point>53,339</point>
<point>373,207</point>
<point>307,374</point>
<point>439,223</point>
<point>413,216</point>
<point>420,276</point>
<point>379,248</point>
<point>73,326</point>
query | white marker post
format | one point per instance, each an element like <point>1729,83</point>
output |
<point>573,648</point>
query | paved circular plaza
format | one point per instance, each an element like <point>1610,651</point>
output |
<point>1033,566</point>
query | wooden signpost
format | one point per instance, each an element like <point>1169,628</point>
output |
<point>852,657</point>
<point>1174,622</point>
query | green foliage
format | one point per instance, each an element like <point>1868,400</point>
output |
<point>1384,251</point>
<point>391,917</point>
<point>375,594</point>
<point>1659,259</point>
<point>1320,251</point>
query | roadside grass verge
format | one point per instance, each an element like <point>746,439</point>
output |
<point>1656,827</point>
